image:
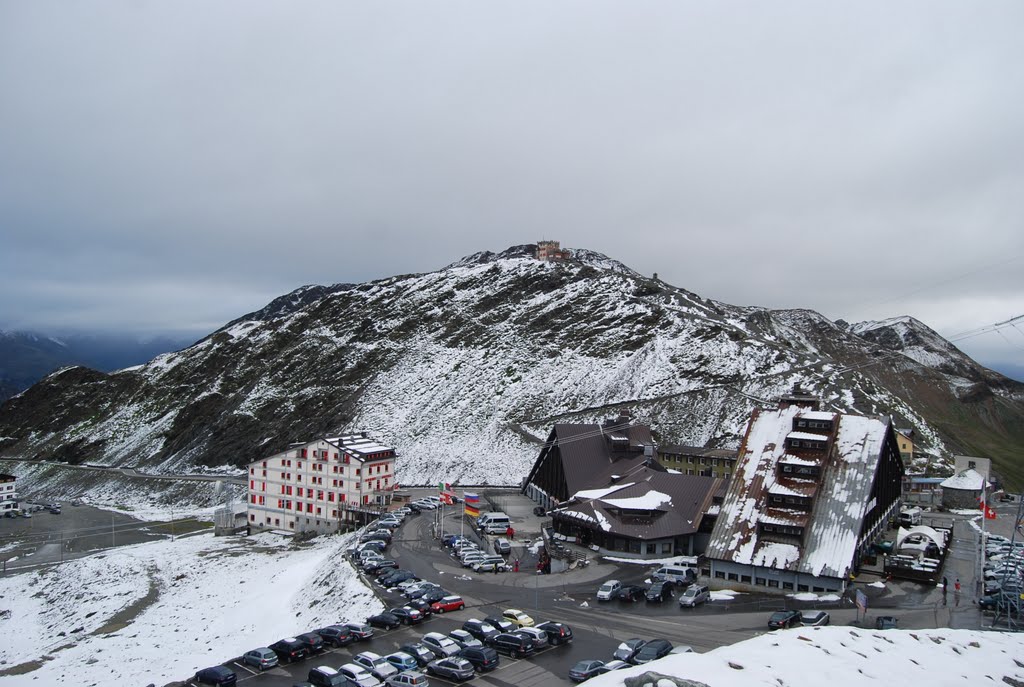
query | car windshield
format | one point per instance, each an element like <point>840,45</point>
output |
<point>690,592</point>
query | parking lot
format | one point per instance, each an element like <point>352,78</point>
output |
<point>46,538</point>
<point>570,598</point>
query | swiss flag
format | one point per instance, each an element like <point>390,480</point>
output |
<point>990,513</point>
<point>446,498</point>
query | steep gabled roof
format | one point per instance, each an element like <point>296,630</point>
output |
<point>841,493</point>
<point>589,457</point>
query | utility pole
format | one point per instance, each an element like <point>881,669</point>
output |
<point>112,540</point>
<point>172,523</point>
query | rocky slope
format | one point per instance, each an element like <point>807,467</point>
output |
<point>463,369</point>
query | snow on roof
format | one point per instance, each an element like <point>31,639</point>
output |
<point>845,657</point>
<point>969,479</point>
<point>650,501</point>
<point>796,460</point>
<point>807,436</point>
<point>817,415</point>
<point>830,538</point>
<point>775,555</point>
<point>587,494</point>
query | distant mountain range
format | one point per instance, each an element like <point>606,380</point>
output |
<point>27,357</point>
<point>464,369</point>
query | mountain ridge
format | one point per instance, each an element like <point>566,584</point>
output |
<point>464,368</point>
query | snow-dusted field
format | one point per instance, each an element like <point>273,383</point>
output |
<point>848,657</point>
<point>156,612</point>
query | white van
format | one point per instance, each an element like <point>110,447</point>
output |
<point>493,523</point>
<point>680,575</point>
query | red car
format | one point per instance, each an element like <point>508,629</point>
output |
<point>448,603</point>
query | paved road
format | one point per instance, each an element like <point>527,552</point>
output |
<point>598,627</point>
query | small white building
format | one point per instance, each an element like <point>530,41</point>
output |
<point>963,490</point>
<point>8,493</point>
<point>322,485</point>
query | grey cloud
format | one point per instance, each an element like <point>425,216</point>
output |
<point>186,162</point>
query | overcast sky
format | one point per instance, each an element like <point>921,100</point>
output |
<point>168,166</point>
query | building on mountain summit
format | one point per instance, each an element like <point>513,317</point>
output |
<point>551,251</point>
<point>812,490</point>
<point>322,485</point>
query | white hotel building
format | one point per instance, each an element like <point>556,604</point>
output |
<point>321,485</point>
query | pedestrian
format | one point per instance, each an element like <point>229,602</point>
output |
<point>515,566</point>
<point>945,589</point>
<point>495,568</point>
<point>956,592</point>
<point>956,586</point>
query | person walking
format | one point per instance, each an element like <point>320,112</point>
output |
<point>956,592</point>
<point>945,589</point>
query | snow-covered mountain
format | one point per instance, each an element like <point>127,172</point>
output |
<point>464,369</point>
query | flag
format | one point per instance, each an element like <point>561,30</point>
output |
<point>990,513</point>
<point>472,508</point>
<point>446,498</point>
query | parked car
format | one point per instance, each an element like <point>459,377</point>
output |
<point>490,564</point>
<point>651,651</point>
<point>421,591</point>
<point>262,658</point>
<point>515,645</point>
<point>361,631</point>
<point>815,618</point>
<point>659,591</point>
<point>517,617</point>
<point>217,675</point>
<point>502,546</point>
<point>452,668</point>
<point>385,621</point>
<point>408,678</point>
<point>406,615</point>
<point>694,595</point>
<point>336,635</point>
<point>989,603</point>
<point>584,670</point>
<point>780,620</point>
<point>480,629</point>
<point>500,623</point>
<point>612,665</point>
<point>378,565</point>
<point>627,649</point>
<point>313,642</point>
<point>442,646</point>
<point>464,639</point>
<point>419,651</point>
<point>886,622</point>
<point>539,637</point>
<point>483,658</point>
<point>609,590</point>
<point>423,607</point>
<point>434,595</point>
<point>402,661</point>
<point>448,603</point>
<point>359,675</point>
<point>558,633</point>
<point>325,676</point>
<point>378,666</point>
<point>632,593</point>
<point>289,649</point>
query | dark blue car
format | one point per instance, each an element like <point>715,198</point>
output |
<point>217,675</point>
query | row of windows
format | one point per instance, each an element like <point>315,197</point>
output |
<point>783,529</point>
<point>808,443</point>
<point>706,473</point>
<point>377,469</point>
<point>700,461</point>
<point>767,582</point>
<point>802,423</point>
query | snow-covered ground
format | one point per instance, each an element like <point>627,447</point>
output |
<point>157,612</point>
<point>847,657</point>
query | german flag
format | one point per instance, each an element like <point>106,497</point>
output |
<point>472,504</point>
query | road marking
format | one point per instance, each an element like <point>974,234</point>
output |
<point>245,667</point>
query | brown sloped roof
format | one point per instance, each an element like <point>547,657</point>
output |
<point>589,459</point>
<point>676,504</point>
